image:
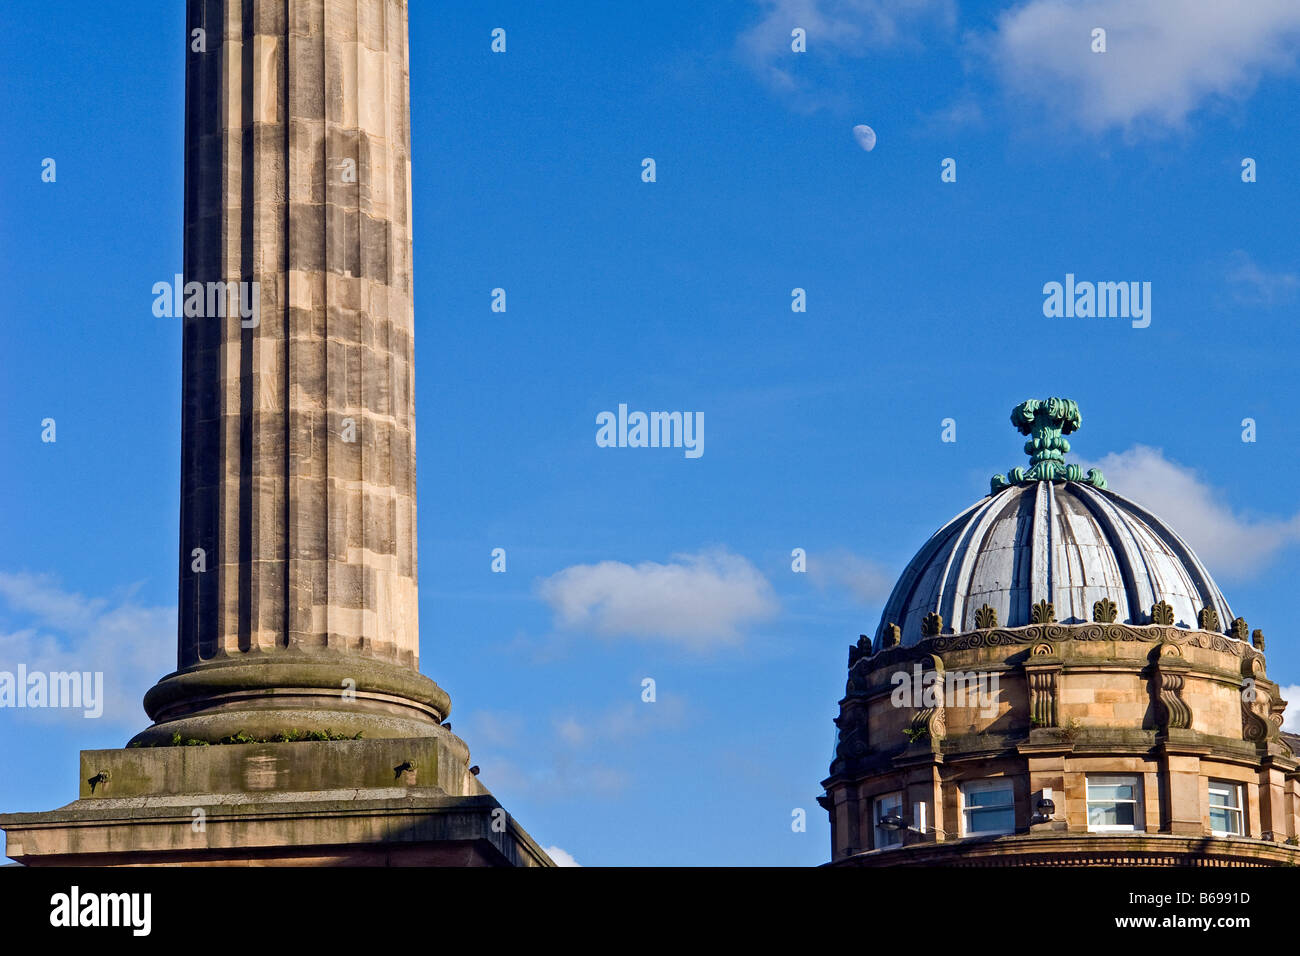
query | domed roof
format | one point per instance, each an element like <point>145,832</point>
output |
<point>1050,534</point>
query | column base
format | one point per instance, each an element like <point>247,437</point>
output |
<point>332,803</point>
<point>261,696</point>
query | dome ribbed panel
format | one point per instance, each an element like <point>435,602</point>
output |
<point>1066,542</point>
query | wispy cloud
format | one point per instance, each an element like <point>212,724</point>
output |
<point>700,600</point>
<point>495,728</point>
<point>616,725</point>
<point>963,112</point>
<point>576,751</point>
<point>47,628</point>
<point>834,28</point>
<point>1164,59</point>
<point>559,778</point>
<point>40,597</point>
<point>1230,544</point>
<point>1253,285</point>
<point>867,581</point>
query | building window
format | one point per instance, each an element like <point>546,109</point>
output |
<point>1226,816</point>
<point>988,807</point>
<point>1114,803</point>
<point>886,804</point>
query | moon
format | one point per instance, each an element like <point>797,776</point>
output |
<point>866,137</point>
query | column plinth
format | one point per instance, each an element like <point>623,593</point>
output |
<point>262,695</point>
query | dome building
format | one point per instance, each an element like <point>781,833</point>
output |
<point>1056,679</point>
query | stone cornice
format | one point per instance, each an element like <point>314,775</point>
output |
<point>1051,633</point>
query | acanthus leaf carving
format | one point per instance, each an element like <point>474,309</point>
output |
<point>1104,611</point>
<point>1162,613</point>
<point>1043,612</point>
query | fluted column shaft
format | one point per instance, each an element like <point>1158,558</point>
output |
<point>298,607</point>
<point>298,435</point>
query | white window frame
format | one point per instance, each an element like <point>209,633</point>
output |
<point>886,839</point>
<point>1235,791</point>
<point>980,786</point>
<point>1111,779</point>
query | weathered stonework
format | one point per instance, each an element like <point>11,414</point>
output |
<point>1159,702</point>
<point>298,435</point>
<point>368,802</point>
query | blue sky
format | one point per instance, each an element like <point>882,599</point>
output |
<point>924,302</point>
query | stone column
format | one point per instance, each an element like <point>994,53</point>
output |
<point>298,516</point>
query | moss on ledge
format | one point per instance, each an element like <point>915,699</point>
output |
<point>291,736</point>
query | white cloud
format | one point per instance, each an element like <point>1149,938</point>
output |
<point>561,857</point>
<point>130,644</point>
<point>1231,545</point>
<point>1164,58</point>
<point>1254,285</point>
<point>700,600</point>
<point>1291,718</point>
<point>867,580</point>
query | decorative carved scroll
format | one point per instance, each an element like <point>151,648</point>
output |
<point>933,721</point>
<point>1172,712</point>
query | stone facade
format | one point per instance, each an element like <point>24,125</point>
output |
<point>1172,709</point>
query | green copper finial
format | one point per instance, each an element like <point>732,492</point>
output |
<point>1047,422</point>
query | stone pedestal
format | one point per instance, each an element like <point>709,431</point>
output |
<point>389,802</point>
